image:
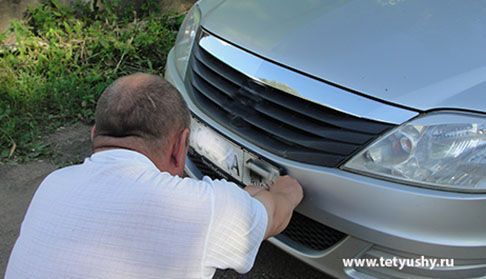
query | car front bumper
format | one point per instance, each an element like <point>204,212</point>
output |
<point>381,218</point>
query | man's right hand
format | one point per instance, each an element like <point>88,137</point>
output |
<point>290,188</point>
<point>280,201</point>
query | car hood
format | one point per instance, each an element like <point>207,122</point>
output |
<point>419,54</point>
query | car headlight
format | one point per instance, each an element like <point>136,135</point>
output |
<point>445,150</point>
<point>185,39</point>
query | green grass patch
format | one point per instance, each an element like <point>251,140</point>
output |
<point>56,62</point>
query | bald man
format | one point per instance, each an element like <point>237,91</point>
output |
<point>126,212</point>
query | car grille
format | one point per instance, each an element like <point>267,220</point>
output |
<point>310,233</point>
<point>274,120</point>
<point>301,231</point>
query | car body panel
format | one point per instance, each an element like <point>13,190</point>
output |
<point>385,60</point>
<point>419,54</point>
<point>396,215</point>
<point>374,213</point>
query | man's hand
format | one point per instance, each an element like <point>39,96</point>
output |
<point>290,188</point>
<point>280,201</point>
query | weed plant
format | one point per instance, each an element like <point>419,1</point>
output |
<point>56,62</point>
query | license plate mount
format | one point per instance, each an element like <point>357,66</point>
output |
<point>237,162</point>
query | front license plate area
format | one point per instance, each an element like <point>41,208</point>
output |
<point>238,163</point>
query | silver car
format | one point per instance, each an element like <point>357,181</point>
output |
<point>377,107</point>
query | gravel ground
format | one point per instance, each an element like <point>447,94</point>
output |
<point>19,182</point>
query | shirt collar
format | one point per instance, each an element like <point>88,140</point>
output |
<point>120,155</point>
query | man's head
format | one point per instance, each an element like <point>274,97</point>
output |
<point>144,113</point>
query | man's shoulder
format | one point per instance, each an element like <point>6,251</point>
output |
<point>64,172</point>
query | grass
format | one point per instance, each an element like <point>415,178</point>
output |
<point>56,62</point>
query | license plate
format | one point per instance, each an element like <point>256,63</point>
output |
<point>239,163</point>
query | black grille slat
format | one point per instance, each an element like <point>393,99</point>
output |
<point>284,133</point>
<point>294,119</point>
<point>203,89</point>
<point>223,70</point>
<point>221,84</point>
<point>323,114</point>
<point>274,146</point>
<point>293,103</point>
<point>210,74</point>
<point>279,122</point>
<point>303,124</point>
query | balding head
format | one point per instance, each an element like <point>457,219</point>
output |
<point>141,106</point>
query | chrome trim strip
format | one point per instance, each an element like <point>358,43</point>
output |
<point>303,86</point>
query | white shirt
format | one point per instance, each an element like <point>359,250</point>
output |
<point>117,216</point>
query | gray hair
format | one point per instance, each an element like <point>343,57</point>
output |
<point>143,106</point>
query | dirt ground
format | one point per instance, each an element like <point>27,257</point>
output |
<point>71,145</point>
<point>18,182</point>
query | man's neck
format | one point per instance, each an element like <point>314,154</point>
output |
<point>103,143</point>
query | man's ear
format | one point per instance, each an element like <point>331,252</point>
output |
<point>93,132</point>
<point>179,151</point>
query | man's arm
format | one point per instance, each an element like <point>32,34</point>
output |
<point>253,190</point>
<point>240,222</point>
<point>280,201</point>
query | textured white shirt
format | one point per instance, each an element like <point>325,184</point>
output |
<point>117,216</point>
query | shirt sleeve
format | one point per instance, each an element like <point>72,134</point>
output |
<point>237,228</point>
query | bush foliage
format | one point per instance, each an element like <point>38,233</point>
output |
<point>57,61</point>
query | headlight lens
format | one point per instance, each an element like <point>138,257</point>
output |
<point>441,150</point>
<point>185,39</point>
